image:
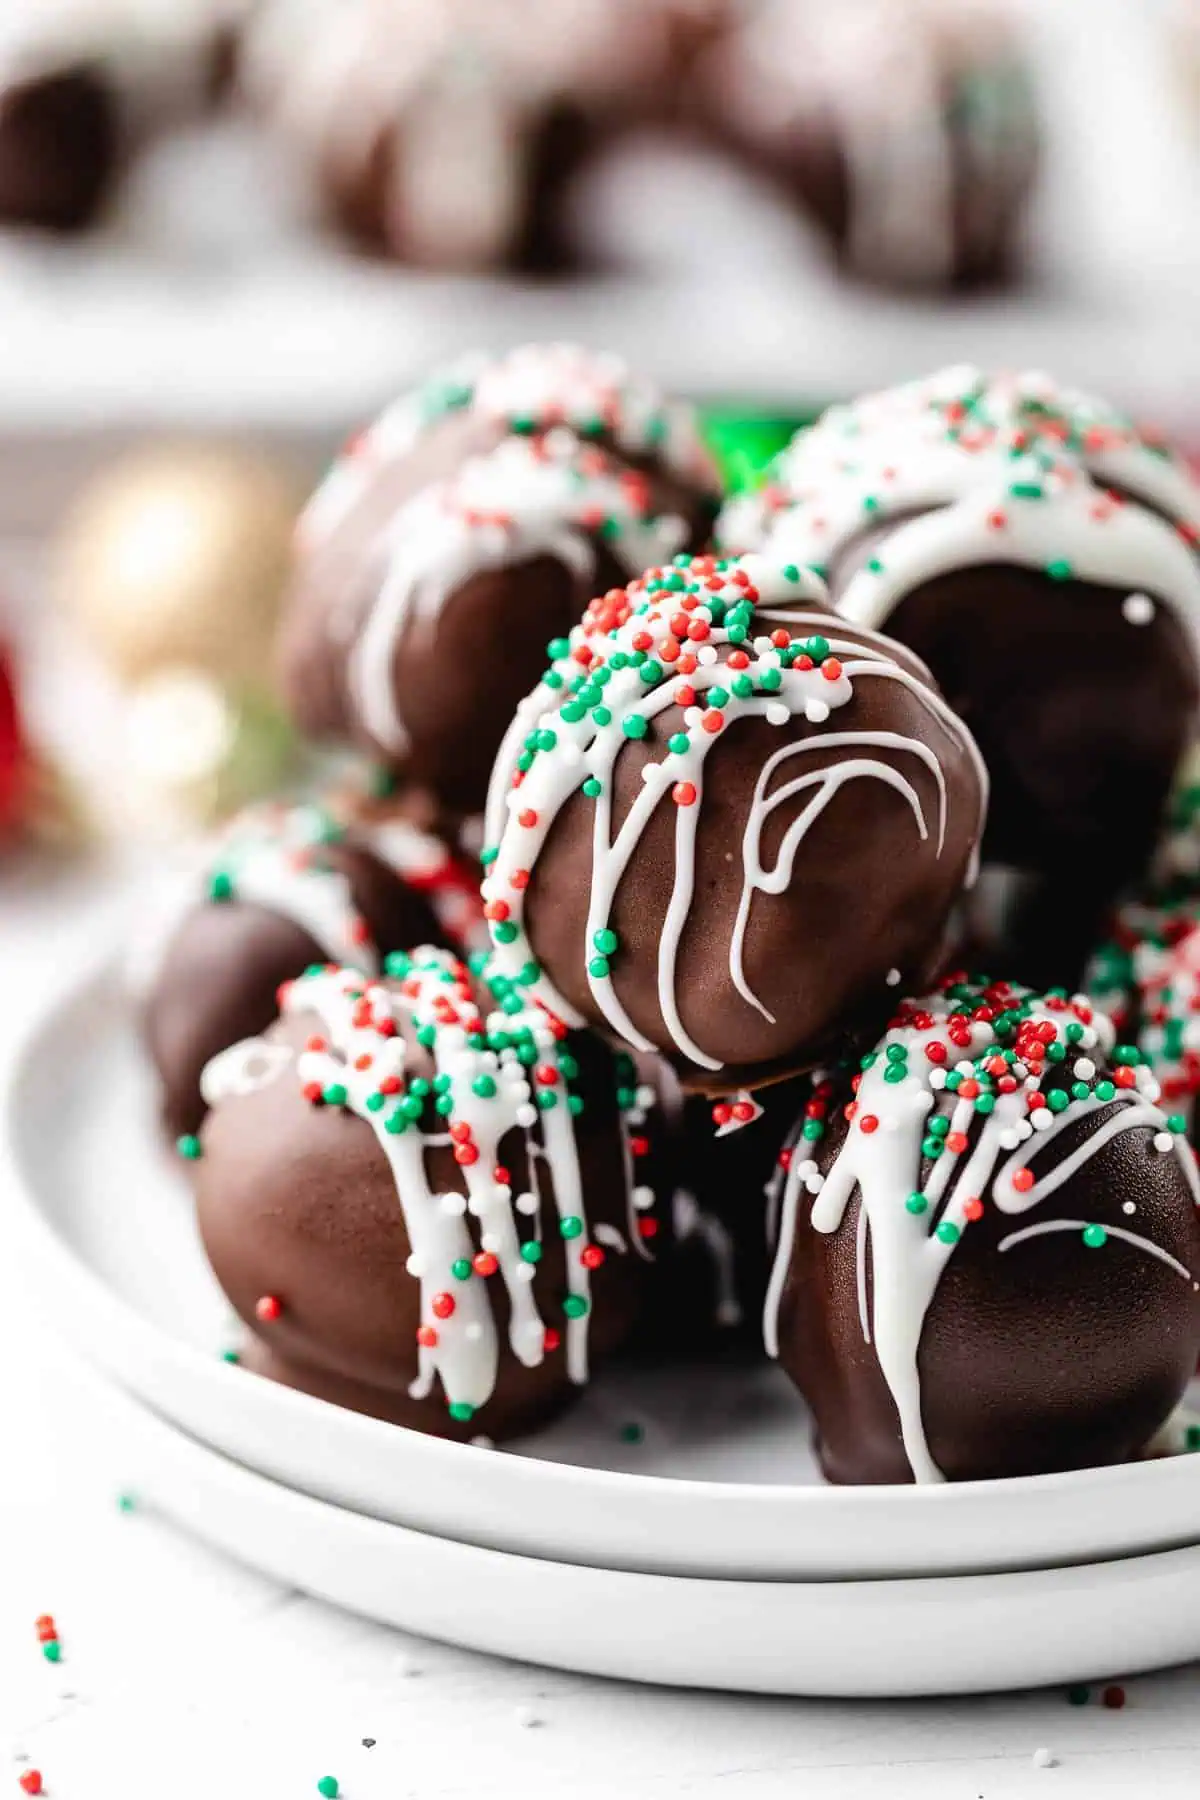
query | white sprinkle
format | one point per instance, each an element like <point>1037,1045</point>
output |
<point>490,1242</point>
<point>707,655</point>
<point>1138,608</point>
<point>1041,1118</point>
<point>893,978</point>
<point>816,711</point>
<point>526,1272</point>
<point>762,645</point>
<point>1163,1141</point>
<point>654,772</point>
<point>473,1333</point>
<point>526,1717</point>
<point>1023,1129</point>
<point>453,1205</point>
<point>779,714</point>
<point>1008,1140</point>
<point>526,1117</point>
<point>481,1440</point>
<point>1044,1759</point>
<point>527,1204</point>
<point>643,1198</point>
<point>692,716</point>
<point>814,1183</point>
<point>646,1096</point>
<point>1084,1068</point>
<point>937,1078</point>
<point>808,1166</point>
<point>1127,1206</point>
<point>415,1266</point>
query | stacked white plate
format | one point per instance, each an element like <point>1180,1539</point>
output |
<point>700,1549</point>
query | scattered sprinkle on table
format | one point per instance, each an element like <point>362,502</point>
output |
<point>31,1781</point>
<point>526,1717</point>
<point>1044,1759</point>
<point>1113,1697</point>
<point>1078,1696</point>
<point>328,1786</point>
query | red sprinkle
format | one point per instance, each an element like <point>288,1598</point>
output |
<point>552,1338</point>
<point>484,1263</point>
<point>268,1309</point>
<point>1113,1697</point>
<point>1023,1180</point>
<point>592,1257</point>
<point>443,1305</point>
<point>684,793</point>
<point>973,1208</point>
<point>427,1337</point>
<point>528,818</point>
<point>868,1123</point>
<point>31,1781</point>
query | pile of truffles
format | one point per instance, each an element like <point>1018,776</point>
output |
<point>468,136</point>
<point>638,1005</point>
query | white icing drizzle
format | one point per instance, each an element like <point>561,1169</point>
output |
<point>534,388</point>
<point>522,806</point>
<point>529,497</point>
<point>1047,1227</point>
<point>906,1248</point>
<point>997,470</point>
<point>363,1058</point>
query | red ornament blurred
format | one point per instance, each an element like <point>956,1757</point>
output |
<point>12,748</point>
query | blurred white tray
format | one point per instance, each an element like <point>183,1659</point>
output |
<point>722,1484</point>
<point>958,1634</point>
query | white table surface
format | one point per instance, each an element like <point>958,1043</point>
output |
<point>186,1676</point>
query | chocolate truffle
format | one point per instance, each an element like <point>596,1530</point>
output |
<point>726,824</point>
<point>284,888</point>
<point>1038,552</point>
<point>448,134</point>
<point>424,1198</point>
<point>987,1246</point>
<point>906,132</point>
<point>465,531</point>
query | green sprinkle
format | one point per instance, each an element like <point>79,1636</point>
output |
<point>460,1268</point>
<point>985,1104</point>
<point>947,1232</point>
<point>679,742</point>
<point>916,1203</point>
<point>558,648</point>
<point>375,1102</point>
<point>505,932</point>
<point>231,1356</point>
<point>188,1147</point>
<point>631,1433</point>
<point>575,1306</point>
<point>126,1503</point>
<point>932,1147</point>
<point>531,1252</point>
<point>571,1226</point>
<point>812,1129</point>
<point>1060,569</point>
<point>462,1410</point>
<point>547,1099</point>
<point>1057,1100</point>
<point>599,967</point>
<point>742,686</point>
<point>1191,1438</point>
<point>770,680</point>
<point>634,726</point>
<point>1176,1122</point>
<point>895,1072</point>
<point>602,715</point>
<point>335,1094</point>
<point>606,941</point>
<point>52,1651</point>
<point>1105,1090</point>
<point>397,963</point>
<point>1095,1237</point>
<point>592,788</point>
<point>484,1086</point>
<point>650,670</point>
<point>396,1123</point>
<point>1078,1696</point>
<point>221,886</point>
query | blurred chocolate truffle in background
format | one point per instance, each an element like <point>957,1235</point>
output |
<point>988,1257</point>
<point>906,130</point>
<point>465,531</point>
<point>1038,552</point>
<point>424,1199</point>
<point>85,83</point>
<point>727,824</point>
<point>282,888</point>
<point>448,133</point>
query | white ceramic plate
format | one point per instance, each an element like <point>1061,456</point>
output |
<point>957,1634</point>
<point>721,1485</point>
